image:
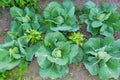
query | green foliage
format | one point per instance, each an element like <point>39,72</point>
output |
<point>19,3</point>
<point>23,20</point>
<point>102,57</point>
<point>55,54</point>
<point>23,3</point>
<point>104,20</point>
<point>15,74</point>
<point>77,38</point>
<point>7,61</point>
<point>27,17</point>
<point>102,1</point>
<point>3,34</point>
<point>32,36</point>
<point>18,73</point>
<point>0,13</point>
<point>4,76</point>
<point>4,3</point>
<point>61,17</point>
<point>11,55</point>
<point>16,48</point>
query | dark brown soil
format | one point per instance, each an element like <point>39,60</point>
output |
<point>5,20</point>
<point>77,71</point>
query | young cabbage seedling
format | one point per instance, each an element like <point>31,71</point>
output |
<point>77,38</point>
<point>33,36</point>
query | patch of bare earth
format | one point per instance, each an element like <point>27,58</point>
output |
<point>5,20</point>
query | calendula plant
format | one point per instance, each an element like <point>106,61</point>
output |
<point>61,17</point>
<point>33,36</point>
<point>104,20</point>
<point>55,54</point>
<point>102,57</point>
<point>77,38</point>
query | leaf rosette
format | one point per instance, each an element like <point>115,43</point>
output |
<point>10,56</point>
<point>22,21</point>
<point>12,53</point>
<point>104,20</point>
<point>102,57</point>
<point>55,54</point>
<point>61,17</point>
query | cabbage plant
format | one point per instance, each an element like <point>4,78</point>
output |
<point>13,53</point>
<point>61,17</point>
<point>102,57</point>
<point>22,21</point>
<point>55,54</point>
<point>104,20</point>
<point>10,55</point>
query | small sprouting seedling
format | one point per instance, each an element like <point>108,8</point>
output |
<point>33,36</point>
<point>3,34</point>
<point>102,1</point>
<point>78,66</point>
<point>77,9</point>
<point>77,38</point>
<point>0,14</point>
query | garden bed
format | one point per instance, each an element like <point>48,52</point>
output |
<point>77,71</point>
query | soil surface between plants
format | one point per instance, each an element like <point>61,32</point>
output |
<point>77,71</point>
